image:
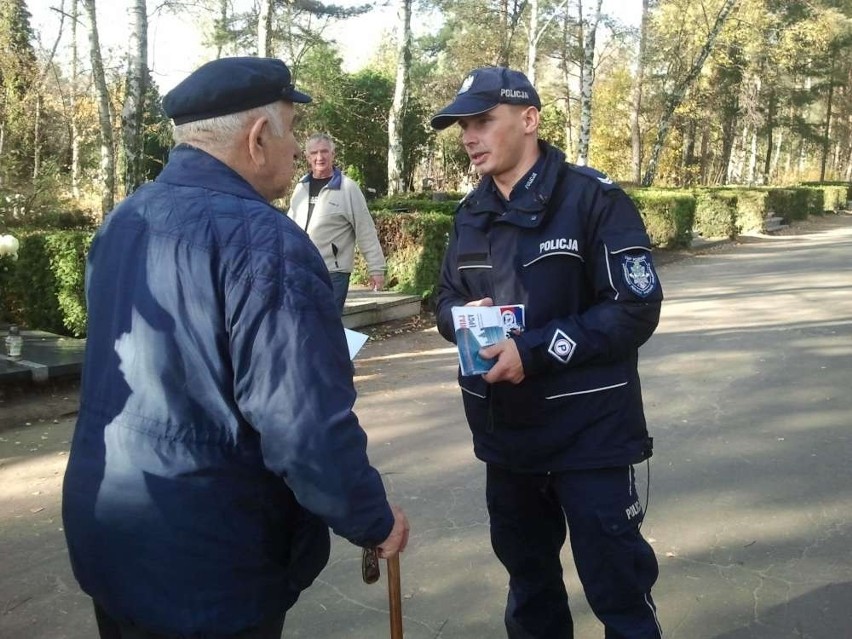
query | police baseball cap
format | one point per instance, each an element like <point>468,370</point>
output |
<point>231,85</point>
<point>485,88</point>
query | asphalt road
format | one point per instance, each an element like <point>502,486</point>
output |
<point>748,397</point>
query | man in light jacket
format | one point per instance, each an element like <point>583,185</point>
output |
<point>331,208</point>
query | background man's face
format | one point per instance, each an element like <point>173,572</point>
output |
<point>320,158</point>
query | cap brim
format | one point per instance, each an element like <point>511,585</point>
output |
<point>297,96</point>
<point>463,107</point>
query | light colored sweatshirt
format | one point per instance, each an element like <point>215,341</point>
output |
<point>340,219</point>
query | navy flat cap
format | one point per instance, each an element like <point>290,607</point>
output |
<point>231,85</point>
<point>482,90</point>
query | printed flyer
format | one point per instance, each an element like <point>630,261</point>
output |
<point>481,326</point>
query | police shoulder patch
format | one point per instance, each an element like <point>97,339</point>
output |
<point>561,346</point>
<point>605,181</point>
<point>639,274</point>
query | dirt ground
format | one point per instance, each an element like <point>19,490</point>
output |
<point>29,404</point>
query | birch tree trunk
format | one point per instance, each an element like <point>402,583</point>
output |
<point>107,168</point>
<point>264,29</point>
<point>75,122</point>
<point>752,162</point>
<point>532,41</point>
<point>535,34</point>
<point>396,161</point>
<point>134,99</point>
<point>636,97</point>
<point>826,141</point>
<point>587,81</point>
<point>676,96</point>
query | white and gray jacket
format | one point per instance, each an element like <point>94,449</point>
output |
<point>340,218</point>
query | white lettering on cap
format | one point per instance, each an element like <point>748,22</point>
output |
<point>514,93</point>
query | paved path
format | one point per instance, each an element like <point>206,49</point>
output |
<point>749,399</point>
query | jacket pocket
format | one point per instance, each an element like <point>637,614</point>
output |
<point>570,400</point>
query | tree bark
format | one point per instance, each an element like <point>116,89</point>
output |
<point>826,140</point>
<point>636,97</point>
<point>107,168</point>
<point>264,29</point>
<point>587,81</point>
<point>134,98</point>
<point>75,123</point>
<point>676,97</point>
<point>396,160</point>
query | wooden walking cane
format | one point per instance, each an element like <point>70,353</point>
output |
<point>395,597</point>
<point>370,573</point>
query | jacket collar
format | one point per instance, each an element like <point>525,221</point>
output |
<point>190,166</point>
<point>334,183</point>
<point>486,199</point>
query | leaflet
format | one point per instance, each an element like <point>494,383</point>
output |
<point>480,326</point>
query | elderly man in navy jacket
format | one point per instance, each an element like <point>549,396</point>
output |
<point>216,441</point>
<point>558,419</point>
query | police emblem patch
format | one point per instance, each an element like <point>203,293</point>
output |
<point>639,275</point>
<point>561,346</point>
<point>466,84</point>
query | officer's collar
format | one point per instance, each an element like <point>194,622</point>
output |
<point>529,195</point>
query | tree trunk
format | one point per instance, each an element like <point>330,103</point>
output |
<point>703,178</point>
<point>75,126</point>
<point>770,133</point>
<point>396,160</point>
<point>532,41</point>
<point>587,81</point>
<point>264,29</point>
<point>826,141</point>
<point>37,136</point>
<point>636,97</point>
<point>677,95</point>
<point>772,174</point>
<point>107,169</point>
<point>752,162</point>
<point>134,98</point>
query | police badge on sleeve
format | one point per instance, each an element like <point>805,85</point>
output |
<point>639,274</point>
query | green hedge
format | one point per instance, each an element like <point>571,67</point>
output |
<point>716,214</point>
<point>44,288</point>
<point>668,216</point>
<point>834,192</point>
<point>414,245</point>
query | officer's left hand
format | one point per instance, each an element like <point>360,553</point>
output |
<point>508,367</point>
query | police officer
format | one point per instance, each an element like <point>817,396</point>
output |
<point>558,419</point>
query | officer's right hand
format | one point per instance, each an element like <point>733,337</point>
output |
<point>485,301</point>
<point>398,538</point>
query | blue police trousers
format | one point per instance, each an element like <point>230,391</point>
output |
<point>615,564</point>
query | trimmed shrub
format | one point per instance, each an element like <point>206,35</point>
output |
<point>716,214</point>
<point>790,204</point>
<point>668,216</point>
<point>414,245</point>
<point>751,210</point>
<point>44,289</point>
<point>834,196</point>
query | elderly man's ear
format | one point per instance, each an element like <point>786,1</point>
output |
<point>257,136</point>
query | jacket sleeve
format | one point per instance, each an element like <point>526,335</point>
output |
<point>625,295</point>
<point>293,384</point>
<point>365,231</point>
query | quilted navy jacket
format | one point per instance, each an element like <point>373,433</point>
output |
<point>216,441</point>
<point>571,247</point>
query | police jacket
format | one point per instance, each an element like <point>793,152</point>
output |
<point>340,219</point>
<point>215,441</point>
<point>571,247</point>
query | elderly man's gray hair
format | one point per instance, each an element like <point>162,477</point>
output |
<point>221,131</point>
